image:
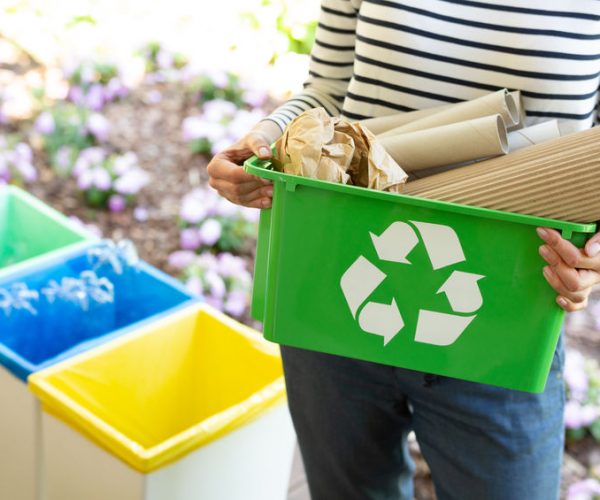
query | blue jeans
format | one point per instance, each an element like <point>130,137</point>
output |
<point>481,442</point>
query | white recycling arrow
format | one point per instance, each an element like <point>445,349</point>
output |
<point>381,319</point>
<point>440,328</point>
<point>463,291</point>
<point>442,244</point>
<point>395,243</point>
<point>359,281</point>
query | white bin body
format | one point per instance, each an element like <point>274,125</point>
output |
<point>252,462</point>
<point>19,440</point>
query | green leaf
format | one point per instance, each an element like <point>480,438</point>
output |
<point>80,20</point>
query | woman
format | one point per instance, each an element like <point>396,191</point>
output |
<point>376,57</point>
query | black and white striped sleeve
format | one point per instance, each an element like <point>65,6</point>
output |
<point>331,63</point>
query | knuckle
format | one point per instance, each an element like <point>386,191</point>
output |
<point>578,298</point>
<point>573,285</point>
<point>572,260</point>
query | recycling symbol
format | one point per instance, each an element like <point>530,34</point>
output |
<point>443,247</point>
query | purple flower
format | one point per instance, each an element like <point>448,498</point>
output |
<point>114,89</point>
<point>116,203</point>
<point>125,162</point>
<point>132,181</point>
<point>23,152</point>
<point>95,97</point>
<point>216,285</point>
<point>27,170</point>
<point>76,95</point>
<point>193,207</point>
<point>190,239</point>
<point>577,415</point>
<point>587,489</point>
<point>243,121</point>
<point>63,158</point>
<point>225,208</point>
<point>4,171</point>
<point>45,123</point>
<point>210,232</point>
<point>88,158</point>
<point>164,59</point>
<point>101,179</point>
<point>194,285</point>
<point>219,78</point>
<point>214,302</point>
<point>95,230</point>
<point>154,97</point>
<point>195,127</point>
<point>93,155</point>
<point>218,110</point>
<point>221,144</point>
<point>181,259</point>
<point>85,179</point>
<point>230,265</point>
<point>251,215</point>
<point>207,261</point>
<point>574,374</point>
<point>98,126</point>
<point>236,303</point>
<point>140,214</point>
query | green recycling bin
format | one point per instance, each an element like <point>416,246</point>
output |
<point>438,287</point>
<point>30,229</point>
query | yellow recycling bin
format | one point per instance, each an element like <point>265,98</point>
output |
<point>189,407</point>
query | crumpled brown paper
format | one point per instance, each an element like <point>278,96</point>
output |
<point>319,146</point>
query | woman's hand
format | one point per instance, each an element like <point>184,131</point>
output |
<point>572,271</point>
<point>228,177</point>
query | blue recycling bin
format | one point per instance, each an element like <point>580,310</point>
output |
<point>31,341</point>
<point>55,329</point>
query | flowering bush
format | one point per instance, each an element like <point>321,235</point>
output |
<point>222,280</point>
<point>211,222</point>
<point>162,64</point>
<point>109,180</point>
<point>67,129</point>
<point>16,162</point>
<point>221,124</point>
<point>588,489</point>
<point>93,85</point>
<point>582,410</point>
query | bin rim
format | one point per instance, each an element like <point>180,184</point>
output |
<point>23,368</point>
<point>265,169</point>
<point>49,211</point>
<point>85,235</point>
<point>148,459</point>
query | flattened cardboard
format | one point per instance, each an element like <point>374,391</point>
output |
<point>558,179</point>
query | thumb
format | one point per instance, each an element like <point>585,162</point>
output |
<point>592,247</point>
<point>259,146</point>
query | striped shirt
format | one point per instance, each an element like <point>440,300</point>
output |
<point>378,57</point>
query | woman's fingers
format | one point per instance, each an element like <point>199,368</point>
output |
<point>569,253</point>
<point>220,167</point>
<point>250,194</point>
<point>575,298</point>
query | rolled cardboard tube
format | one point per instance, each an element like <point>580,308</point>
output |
<point>535,134</point>
<point>500,102</point>
<point>381,124</point>
<point>486,171</point>
<point>448,144</point>
<point>518,99</point>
